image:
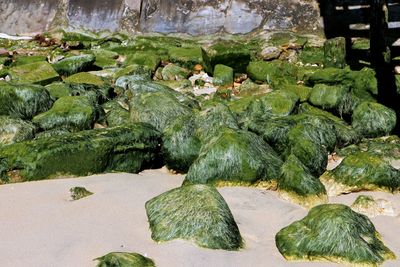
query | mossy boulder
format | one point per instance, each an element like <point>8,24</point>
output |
<point>274,72</point>
<point>299,185</point>
<point>85,78</point>
<point>329,76</point>
<point>14,130</point>
<point>105,58</point>
<point>336,233</point>
<point>328,97</point>
<point>187,57</point>
<point>74,64</point>
<point>303,92</point>
<point>362,171</point>
<point>223,76</point>
<point>134,69</point>
<point>127,148</point>
<point>231,54</point>
<point>335,53</point>
<point>36,73</point>
<point>196,213</point>
<point>59,89</point>
<point>272,105</point>
<point>74,112</point>
<point>147,59</point>
<point>181,146</point>
<point>371,207</point>
<point>23,100</point>
<point>173,72</point>
<point>158,109</point>
<point>116,112</point>
<point>250,88</point>
<point>124,259</point>
<point>79,193</point>
<point>373,119</point>
<point>237,157</point>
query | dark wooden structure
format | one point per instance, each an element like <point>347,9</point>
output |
<point>378,20</point>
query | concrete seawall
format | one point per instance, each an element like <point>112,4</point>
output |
<point>195,17</point>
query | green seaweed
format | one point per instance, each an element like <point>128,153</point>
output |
<point>173,72</point>
<point>14,130</point>
<point>79,193</point>
<point>127,148</point>
<point>235,156</point>
<point>116,113</point>
<point>124,259</point>
<point>196,213</point>
<point>328,97</point>
<point>223,76</point>
<point>74,64</point>
<point>36,73</point>
<point>336,233</point>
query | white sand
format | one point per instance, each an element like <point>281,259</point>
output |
<point>39,226</point>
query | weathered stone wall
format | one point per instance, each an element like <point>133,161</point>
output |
<point>196,17</point>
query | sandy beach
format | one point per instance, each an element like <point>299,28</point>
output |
<point>40,226</point>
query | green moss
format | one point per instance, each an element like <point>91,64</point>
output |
<point>312,55</point>
<point>249,88</point>
<point>328,97</point>
<point>212,118</point>
<point>79,193</point>
<point>58,89</point>
<point>363,84</point>
<point>195,213</point>
<point>272,105</point>
<point>23,101</point>
<point>147,59</point>
<point>286,38</point>
<point>182,86</point>
<point>187,57</point>
<point>128,148</point>
<point>134,70</point>
<point>158,109</point>
<point>73,112</point>
<point>328,76</point>
<point>373,119</point>
<point>223,76</point>
<point>303,92</point>
<point>116,113</point>
<point>124,259</point>
<point>365,171</point>
<point>275,72</point>
<point>105,58</point>
<point>53,132</point>
<point>361,44</point>
<point>181,146</point>
<point>235,156</point>
<point>336,233</point>
<point>173,72</point>
<point>23,60</point>
<point>37,73</point>
<point>228,53</point>
<point>85,78</point>
<point>74,64</point>
<point>335,53</point>
<point>15,130</point>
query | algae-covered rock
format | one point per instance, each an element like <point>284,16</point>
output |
<point>79,193</point>
<point>275,72</point>
<point>105,58</point>
<point>328,97</point>
<point>187,57</point>
<point>223,76</point>
<point>211,119</point>
<point>58,89</point>
<point>231,54</point>
<point>336,233</point>
<point>147,59</point>
<point>373,119</point>
<point>127,148</point>
<point>15,130</point>
<point>272,105</point>
<point>134,69</point>
<point>74,112</point>
<point>85,78</point>
<point>335,53</point>
<point>303,92</point>
<point>23,101</point>
<point>124,259</point>
<point>173,72</point>
<point>116,113</point>
<point>158,109</point>
<point>235,156</point>
<point>299,184</point>
<point>250,88</point>
<point>36,73</point>
<point>362,171</point>
<point>328,76</point>
<point>181,146</point>
<point>372,207</point>
<point>195,213</point>
<point>74,64</point>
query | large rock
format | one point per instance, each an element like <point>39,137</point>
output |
<point>122,259</point>
<point>195,213</point>
<point>336,233</point>
<point>15,130</point>
<point>37,73</point>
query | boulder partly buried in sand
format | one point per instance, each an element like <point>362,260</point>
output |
<point>124,259</point>
<point>336,233</point>
<point>195,213</point>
